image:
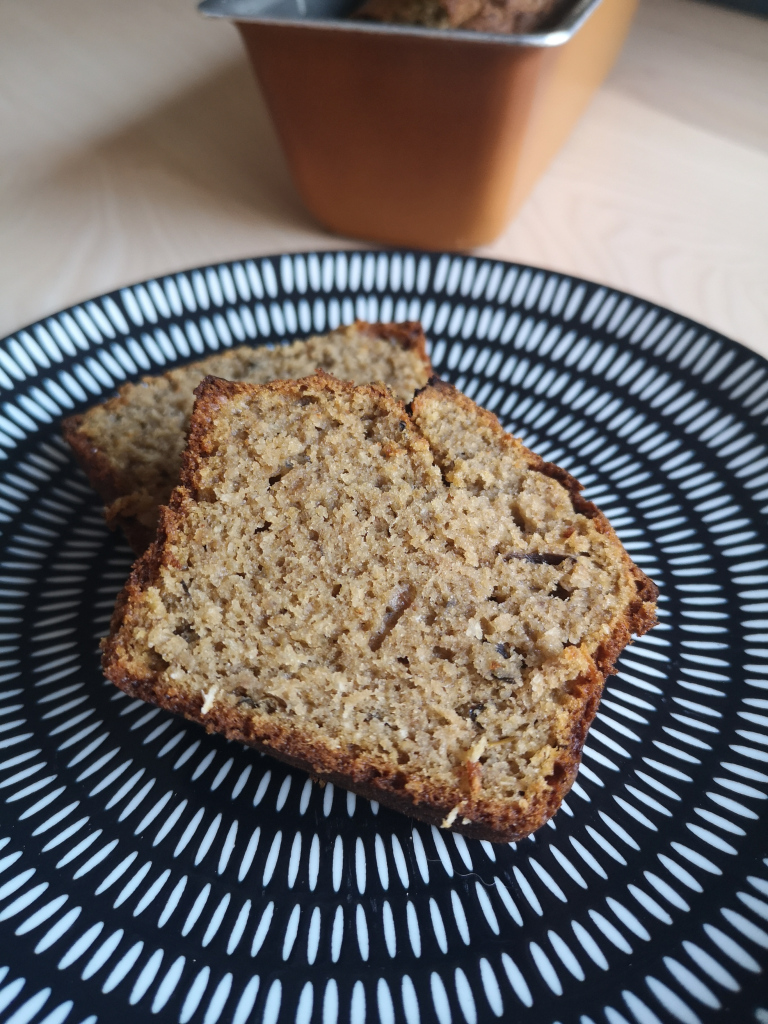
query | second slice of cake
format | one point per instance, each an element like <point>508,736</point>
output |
<point>411,605</point>
<point>131,445</point>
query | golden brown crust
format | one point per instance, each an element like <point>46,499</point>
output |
<point>409,335</point>
<point>100,472</point>
<point>365,774</point>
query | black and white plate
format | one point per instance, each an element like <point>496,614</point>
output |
<point>149,871</point>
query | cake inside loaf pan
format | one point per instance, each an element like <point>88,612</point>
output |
<point>502,16</point>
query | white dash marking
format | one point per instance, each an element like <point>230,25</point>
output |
<point>295,860</point>
<point>122,967</point>
<point>221,774</point>
<point>357,1004</point>
<point>102,954</point>
<point>207,839</point>
<point>361,927</point>
<point>41,915</point>
<point>152,892</point>
<point>400,865</point>
<point>440,999</point>
<point>712,968</point>
<point>29,1009</point>
<point>516,980</point>
<point>172,901</point>
<point>381,862</point>
<point>437,926</point>
<point>130,887</point>
<point>168,985</point>
<point>283,792</point>
<point>188,833</point>
<point>238,928</point>
<point>414,933</point>
<point>313,867</point>
<point>269,867</point>
<point>197,909</point>
<point>691,983</point>
<point>442,852</point>
<point>463,849</point>
<point>460,917</point>
<point>610,932</point>
<point>194,995</point>
<point>313,936</point>
<point>216,919</point>
<point>628,919</point>
<point>250,853</point>
<point>227,848</point>
<point>306,1002</point>
<point>242,778</point>
<point>261,789</point>
<point>337,934</point>
<point>218,1000</point>
<point>486,907</point>
<point>360,865</point>
<point>566,956</point>
<point>337,863</point>
<point>589,945</point>
<point>78,948</point>
<point>306,793</point>
<point>465,997</point>
<point>384,1003</point>
<point>263,928</point>
<point>247,1001</point>
<point>421,856</point>
<point>117,872</point>
<point>546,970</point>
<point>169,822</point>
<point>291,931</point>
<point>491,988</point>
<point>388,923</point>
<point>410,1002</point>
<point>146,976</point>
<point>508,902</point>
<point>331,1003</point>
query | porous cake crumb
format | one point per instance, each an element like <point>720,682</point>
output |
<point>409,604</point>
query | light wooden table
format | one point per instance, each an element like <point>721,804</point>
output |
<point>134,142</point>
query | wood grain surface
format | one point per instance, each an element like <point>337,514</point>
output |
<point>135,143</point>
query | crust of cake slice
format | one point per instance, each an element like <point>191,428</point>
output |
<point>463,798</point>
<point>134,480</point>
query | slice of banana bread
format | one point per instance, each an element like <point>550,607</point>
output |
<point>409,604</point>
<point>130,446</point>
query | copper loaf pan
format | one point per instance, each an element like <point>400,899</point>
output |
<point>421,137</point>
